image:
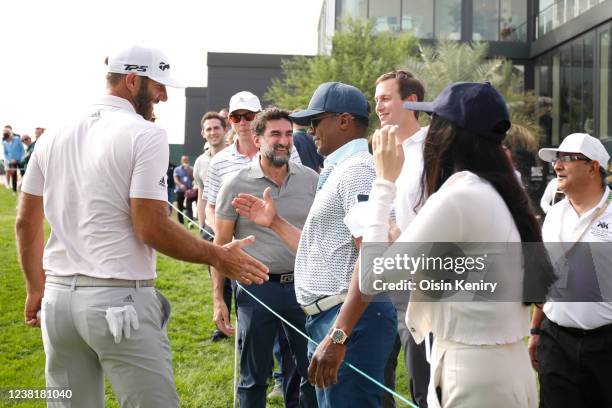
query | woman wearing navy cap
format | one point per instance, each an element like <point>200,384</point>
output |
<point>469,195</point>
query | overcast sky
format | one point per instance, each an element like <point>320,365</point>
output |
<point>53,51</point>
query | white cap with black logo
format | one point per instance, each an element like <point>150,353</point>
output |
<point>143,61</point>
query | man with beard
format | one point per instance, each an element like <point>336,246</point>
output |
<point>100,181</point>
<point>293,187</point>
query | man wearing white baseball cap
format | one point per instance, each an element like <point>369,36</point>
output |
<point>571,335</point>
<point>143,61</point>
<point>100,181</point>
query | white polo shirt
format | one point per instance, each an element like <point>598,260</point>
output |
<point>87,171</point>
<point>562,223</point>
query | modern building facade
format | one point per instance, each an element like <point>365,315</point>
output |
<point>228,73</point>
<point>563,47</point>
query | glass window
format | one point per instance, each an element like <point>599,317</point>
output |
<point>570,9</point>
<point>575,88</point>
<point>565,91</point>
<point>588,122</point>
<point>386,15</point>
<point>544,4</point>
<point>605,85</point>
<point>447,21</point>
<point>486,20</point>
<point>583,5</point>
<point>355,9</point>
<point>544,91</point>
<point>557,99</point>
<point>513,20</point>
<point>418,17</point>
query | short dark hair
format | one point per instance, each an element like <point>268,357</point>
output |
<point>407,84</point>
<point>258,126</point>
<point>213,115</point>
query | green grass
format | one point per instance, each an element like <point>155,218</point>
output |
<point>203,370</point>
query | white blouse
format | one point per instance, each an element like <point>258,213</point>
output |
<point>466,208</point>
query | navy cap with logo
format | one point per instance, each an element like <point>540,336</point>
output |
<point>476,107</point>
<point>333,97</point>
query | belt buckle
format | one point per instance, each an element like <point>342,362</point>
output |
<point>286,278</point>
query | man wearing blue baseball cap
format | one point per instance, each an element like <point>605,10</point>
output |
<point>327,251</point>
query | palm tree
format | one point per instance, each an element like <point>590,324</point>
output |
<point>451,61</point>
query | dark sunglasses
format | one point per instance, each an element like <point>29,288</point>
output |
<point>317,121</point>
<point>237,117</point>
<point>570,158</point>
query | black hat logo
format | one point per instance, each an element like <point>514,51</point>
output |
<point>163,66</point>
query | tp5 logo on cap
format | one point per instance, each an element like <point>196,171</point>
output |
<point>143,61</point>
<point>139,68</point>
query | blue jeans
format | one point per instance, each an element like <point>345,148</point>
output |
<point>257,328</point>
<point>368,349</point>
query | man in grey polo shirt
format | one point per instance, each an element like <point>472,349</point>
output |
<point>293,188</point>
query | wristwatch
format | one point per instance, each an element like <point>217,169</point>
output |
<point>535,331</point>
<point>338,336</point>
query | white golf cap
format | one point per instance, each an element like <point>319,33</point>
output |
<point>143,61</point>
<point>244,100</point>
<point>579,143</point>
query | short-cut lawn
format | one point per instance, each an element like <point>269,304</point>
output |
<point>203,370</point>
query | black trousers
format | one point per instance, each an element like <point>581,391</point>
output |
<point>184,205</point>
<point>575,366</point>
<point>12,171</point>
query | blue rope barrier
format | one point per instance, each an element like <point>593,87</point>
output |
<point>351,366</point>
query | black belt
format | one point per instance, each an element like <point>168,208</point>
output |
<point>601,330</point>
<point>281,277</point>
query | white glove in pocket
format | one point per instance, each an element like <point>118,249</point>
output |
<point>121,321</point>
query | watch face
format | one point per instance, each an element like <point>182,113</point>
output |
<point>338,336</point>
